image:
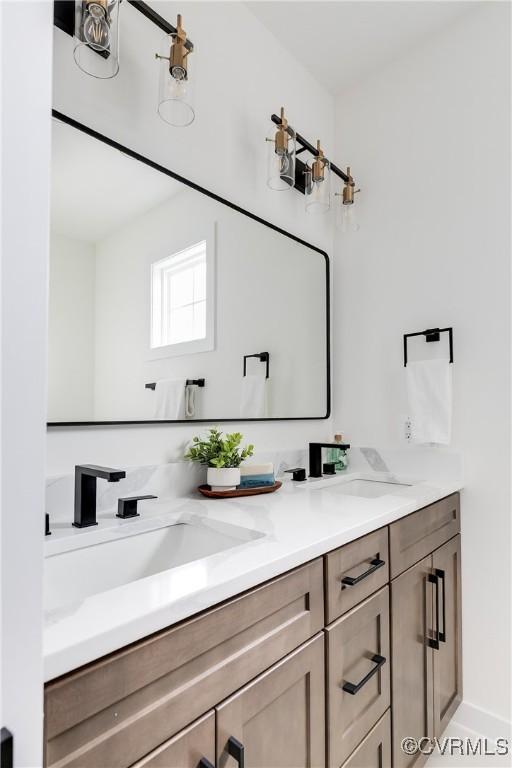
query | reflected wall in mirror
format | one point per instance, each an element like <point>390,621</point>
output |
<point>158,290</point>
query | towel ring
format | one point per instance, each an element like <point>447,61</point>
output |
<point>430,334</point>
<point>263,357</point>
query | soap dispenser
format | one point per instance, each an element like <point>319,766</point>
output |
<point>338,456</point>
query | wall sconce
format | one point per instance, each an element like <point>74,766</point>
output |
<point>282,147</point>
<point>175,86</point>
<point>94,25</point>
<point>346,218</point>
<point>96,36</point>
<point>312,178</point>
<point>318,183</point>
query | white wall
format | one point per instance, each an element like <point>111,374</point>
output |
<point>243,75</point>
<point>428,139</point>
<point>26,97</point>
<point>71,329</point>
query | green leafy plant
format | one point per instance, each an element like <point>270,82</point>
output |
<point>219,451</point>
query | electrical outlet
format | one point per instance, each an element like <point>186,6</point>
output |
<point>407,429</point>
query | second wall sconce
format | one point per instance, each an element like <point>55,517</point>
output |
<point>285,170</point>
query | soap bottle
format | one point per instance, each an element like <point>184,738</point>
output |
<point>339,456</point>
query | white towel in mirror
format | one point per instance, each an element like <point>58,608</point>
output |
<point>253,404</point>
<point>429,391</point>
<point>170,399</point>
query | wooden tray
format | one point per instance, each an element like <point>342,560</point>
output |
<point>205,490</point>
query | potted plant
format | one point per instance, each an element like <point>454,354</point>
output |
<point>222,455</point>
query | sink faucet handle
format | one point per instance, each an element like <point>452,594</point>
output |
<point>298,474</point>
<point>127,507</point>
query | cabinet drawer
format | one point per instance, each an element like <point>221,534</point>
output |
<point>278,719</point>
<point>187,749</point>
<point>357,674</point>
<point>355,571</point>
<point>114,711</point>
<point>375,750</point>
<point>417,535</point>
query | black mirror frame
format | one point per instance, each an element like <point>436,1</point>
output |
<point>136,156</point>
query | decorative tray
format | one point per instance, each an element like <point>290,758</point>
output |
<point>205,490</point>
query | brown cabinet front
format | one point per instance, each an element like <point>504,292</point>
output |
<point>375,750</point>
<point>194,747</point>
<point>411,629</point>
<point>358,675</point>
<point>277,720</point>
<point>426,649</point>
<point>414,537</point>
<point>448,658</point>
<point>354,572</point>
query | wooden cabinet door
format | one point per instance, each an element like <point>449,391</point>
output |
<point>193,747</point>
<point>375,750</point>
<point>277,721</point>
<point>358,675</point>
<point>448,658</point>
<point>412,667</point>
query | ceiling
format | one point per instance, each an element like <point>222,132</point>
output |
<point>95,189</point>
<point>341,42</point>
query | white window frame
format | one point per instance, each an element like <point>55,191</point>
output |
<point>206,344</point>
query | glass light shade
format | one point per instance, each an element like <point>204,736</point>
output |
<point>175,92</point>
<point>318,191</point>
<point>346,218</point>
<point>96,38</point>
<point>281,161</point>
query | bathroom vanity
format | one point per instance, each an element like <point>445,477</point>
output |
<point>331,663</point>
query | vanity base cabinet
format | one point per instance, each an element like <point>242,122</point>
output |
<point>278,719</point>
<point>426,649</point>
<point>115,711</point>
<point>375,750</point>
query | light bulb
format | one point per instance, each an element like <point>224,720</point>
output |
<point>96,28</point>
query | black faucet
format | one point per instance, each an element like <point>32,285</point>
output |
<point>315,456</point>
<point>85,491</point>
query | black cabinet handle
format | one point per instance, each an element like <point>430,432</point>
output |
<point>442,635</point>
<point>236,750</point>
<point>204,763</point>
<point>354,688</point>
<point>433,642</point>
<point>350,581</point>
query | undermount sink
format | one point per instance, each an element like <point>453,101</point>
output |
<point>367,489</point>
<point>74,575</point>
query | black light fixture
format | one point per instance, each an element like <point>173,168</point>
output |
<point>312,178</point>
<point>94,24</point>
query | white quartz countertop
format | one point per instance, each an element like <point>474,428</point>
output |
<point>299,523</point>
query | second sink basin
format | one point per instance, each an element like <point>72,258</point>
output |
<point>367,489</point>
<point>74,575</point>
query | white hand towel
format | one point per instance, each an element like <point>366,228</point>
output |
<point>170,399</point>
<point>429,390</point>
<point>253,402</point>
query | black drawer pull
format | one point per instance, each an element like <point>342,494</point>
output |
<point>236,750</point>
<point>442,635</point>
<point>354,688</point>
<point>204,763</point>
<point>350,581</point>
<point>433,642</point>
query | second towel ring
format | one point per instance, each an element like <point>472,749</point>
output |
<point>264,357</point>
